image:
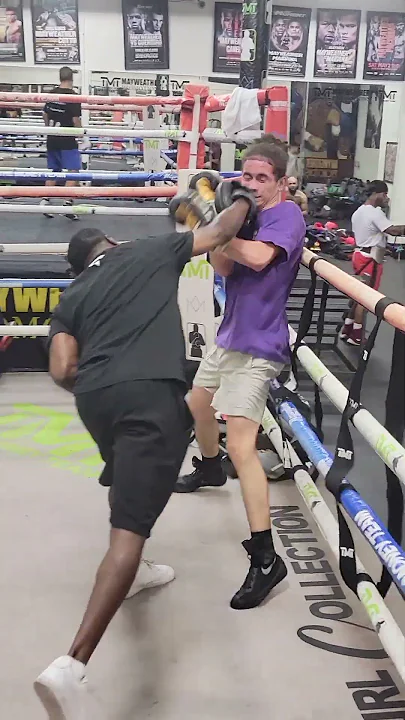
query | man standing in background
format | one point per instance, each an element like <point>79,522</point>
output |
<point>63,150</point>
<point>296,196</point>
<point>370,226</point>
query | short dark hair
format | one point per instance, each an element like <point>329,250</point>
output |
<point>66,73</point>
<point>82,244</point>
<point>376,187</point>
<point>271,149</point>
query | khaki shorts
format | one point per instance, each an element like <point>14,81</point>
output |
<point>239,382</point>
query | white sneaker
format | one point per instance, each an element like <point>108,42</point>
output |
<point>62,689</point>
<point>150,575</point>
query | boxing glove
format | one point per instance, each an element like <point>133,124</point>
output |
<point>205,182</point>
<point>192,210</point>
<point>228,192</point>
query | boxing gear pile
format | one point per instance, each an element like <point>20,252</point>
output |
<point>206,197</point>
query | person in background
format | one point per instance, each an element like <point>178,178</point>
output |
<point>13,29</point>
<point>370,226</point>
<point>296,196</point>
<point>63,151</point>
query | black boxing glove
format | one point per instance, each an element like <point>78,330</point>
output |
<point>228,192</point>
<point>247,231</point>
<point>192,210</point>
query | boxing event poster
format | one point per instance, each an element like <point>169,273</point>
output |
<point>337,34</point>
<point>11,31</point>
<point>56,32</point>
<point>288,41</point>
<point>146,34</point>
<point>254,44</point>
<point>227,37</point>
<point>385,46</point>
<point>375,108</point>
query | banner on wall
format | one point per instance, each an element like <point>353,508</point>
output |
<point>254,44</point>
<point>330,133</point>
<point>385,46</point>
<point>337,34</point>
<point>375,107</point>
<point>11,31</point>
<point>56,32</point>
<point>146,34</point>
<point>116,83</point>
<point>227,37</point>
<point>289,41</point>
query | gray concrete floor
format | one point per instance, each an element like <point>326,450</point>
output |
<point>174,652</point>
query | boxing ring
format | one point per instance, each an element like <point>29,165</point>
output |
<point>313,650</point>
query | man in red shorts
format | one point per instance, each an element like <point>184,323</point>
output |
<point>370,226</point>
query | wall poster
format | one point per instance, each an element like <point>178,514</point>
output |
<point>146,34</point>
<point>56,32</point>
<point>288,41</point>
<point>337,34</point>
<point>11,31</point>
<point>375,107</point>
<point>385,46</point>
<point>390,161</point>
<point>227,37</point>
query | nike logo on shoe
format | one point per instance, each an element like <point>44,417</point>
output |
<point>267,570</point>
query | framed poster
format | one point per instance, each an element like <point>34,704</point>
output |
<point>375,107</point>
<point>11,31</point>
<point>337,35</point>
<point>227,37</point>
<point>146,34</point>
<point>55,26</point>
<point>385,46</point>
<point>390,161</point>
<point>288,41</point>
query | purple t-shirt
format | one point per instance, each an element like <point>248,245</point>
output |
<point>255,320</point>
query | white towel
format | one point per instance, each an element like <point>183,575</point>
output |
<point>242,112</point>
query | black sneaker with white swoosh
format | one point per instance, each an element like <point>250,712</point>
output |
<point>266,571</point>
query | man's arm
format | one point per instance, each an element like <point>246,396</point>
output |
<point>395,230</point>
<point>221,231</point>
<point>253,254</point>
<point>304,204</point>
<point>222,264</point>
<point>63,359</point>
<point>46,118</point>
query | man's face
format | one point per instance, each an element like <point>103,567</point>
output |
<point>157,22</point>
<point>227,23</point>
<point>294,30</point>
<point>292,185</point>
<point>257,175</point>
<point>327,28</point>
<point>400,28</point>
<point>135,19</point>
<point>381,200</point>
<point>347,29</point>
<point>11,17</point>
<point>279,28</point>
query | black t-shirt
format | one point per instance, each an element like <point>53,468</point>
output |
<point>61,114</point>
<point>123,312</point>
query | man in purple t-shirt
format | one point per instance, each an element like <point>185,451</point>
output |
<point>251,349</point>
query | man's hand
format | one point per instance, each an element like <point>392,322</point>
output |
<point>228,192</point>
<point>63,359</point>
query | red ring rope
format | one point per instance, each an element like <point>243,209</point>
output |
<point>87,192</point>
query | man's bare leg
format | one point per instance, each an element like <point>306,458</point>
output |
<point>113,581</point>
<point>208,471</point>
<point>267,569</point>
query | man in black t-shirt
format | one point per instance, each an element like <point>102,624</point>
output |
<point>63,150</point>
<point>116,342</point>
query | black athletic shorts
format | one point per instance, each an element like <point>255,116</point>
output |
<point>142,429</point>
